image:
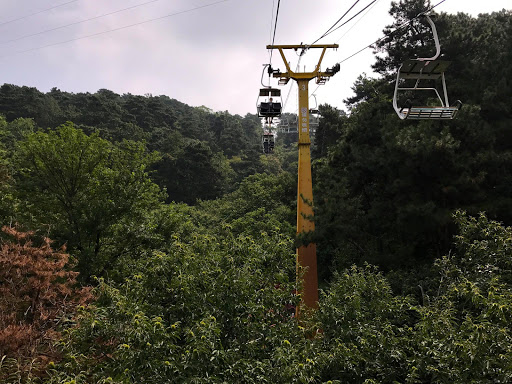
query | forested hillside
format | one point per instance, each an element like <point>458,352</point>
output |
<point>225,146</point>
<point>147,241</point>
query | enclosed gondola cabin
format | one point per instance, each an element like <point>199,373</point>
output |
<point>412,77</point>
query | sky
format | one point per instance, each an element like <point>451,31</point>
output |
<point>200,52</point>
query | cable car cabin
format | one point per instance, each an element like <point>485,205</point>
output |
<point>271,106</point>
<point>418,76</point>
<point>268,143</point>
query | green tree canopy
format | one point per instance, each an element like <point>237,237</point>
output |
<point>79,186</point>
<point>385,191</point>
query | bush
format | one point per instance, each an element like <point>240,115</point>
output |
<point>38,295</point>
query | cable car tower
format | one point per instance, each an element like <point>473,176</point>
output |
<point>424,69</point>
<point>306,255</point>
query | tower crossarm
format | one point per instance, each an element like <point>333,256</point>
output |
<point>289,74</point>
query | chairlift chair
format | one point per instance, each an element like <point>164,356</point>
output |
<point>314,111</point>
<point>268,142</point>
<point>313,124</point>
<point>314,114</point>
<point>425,69</point>
<point>287,127</point>
<point>270,107</point>
<point>294,126</point>
<point>283,125</point>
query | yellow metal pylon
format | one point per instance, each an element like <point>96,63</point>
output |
<point>306,255</point>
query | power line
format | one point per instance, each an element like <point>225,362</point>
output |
<point>78,22</point>
<point>117,29</point>
<point>37,13</point>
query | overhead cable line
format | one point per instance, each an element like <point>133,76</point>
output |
<point>79,22</point>
<point>373,3</point>
<point>37,13</point>
<point>341,18</point>
<point>352,18</point>
<point>390,33</point>
<point>288,96</point>
<point>275,27</point>
<point>291,87</point>
<point>385,36</point>
<point>271,20</point>
<point>117,29</point>
<point>270,35</point>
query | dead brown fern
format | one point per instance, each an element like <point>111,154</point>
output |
<point>37,290</point>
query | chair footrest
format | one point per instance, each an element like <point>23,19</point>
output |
<point>430,112</point>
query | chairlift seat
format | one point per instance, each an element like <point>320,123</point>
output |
<point>268,109</point>
<point>321,80</point>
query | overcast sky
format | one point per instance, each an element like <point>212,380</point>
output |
<point>207,52</point>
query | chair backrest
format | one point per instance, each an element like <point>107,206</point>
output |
<point>264,92</point>
<point>274,92</point>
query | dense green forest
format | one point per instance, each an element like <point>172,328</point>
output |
<point>147,241</point>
